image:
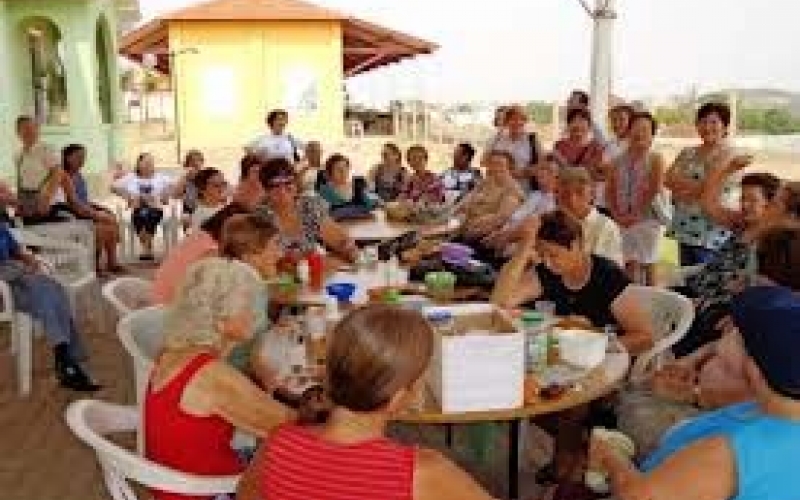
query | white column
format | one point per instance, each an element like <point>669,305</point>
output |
<point>602,59</point>
<point>8,97</point>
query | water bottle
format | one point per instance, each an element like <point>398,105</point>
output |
<point>536,341</point>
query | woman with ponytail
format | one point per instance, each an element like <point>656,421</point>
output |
<point>376,360</point>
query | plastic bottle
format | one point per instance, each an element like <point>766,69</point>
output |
<point>316,267</point>
<point>536,341</point>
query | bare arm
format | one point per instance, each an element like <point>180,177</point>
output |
<point>437,478</point>
<point>612,178</point>
<point>335,237</point>
<point>221,390</point>
<point>655,181</point>
<point>72,198</point>
<point>683,188</point>
<point>634,321</point>
<point>516,284</point>
<point>704,470</point>
<point>714,183</point>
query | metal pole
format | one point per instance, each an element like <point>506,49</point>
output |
<point>602,59</point>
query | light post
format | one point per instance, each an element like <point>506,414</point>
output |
<point>603,16</point>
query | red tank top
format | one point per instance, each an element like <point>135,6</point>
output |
<point>197,445</point>
<point>300,466</point>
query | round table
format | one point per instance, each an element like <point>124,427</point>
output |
<point>378,228</point>
<point>598,383</point>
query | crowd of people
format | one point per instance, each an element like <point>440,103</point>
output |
<point>576,224</point>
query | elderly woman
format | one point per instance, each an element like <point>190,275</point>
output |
<point>342,191</point>
<point>195,399</point>
<point>146,192</point>
<point>747,451</point>
<point>493,200</point>
<point>389,176</point>
<point>699,236</point>
<point>423,186</point>
<point>634,180</point>
<point>580,148</point>
<point>302,220</point>
<point>515,139</point>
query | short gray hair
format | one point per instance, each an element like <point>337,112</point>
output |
<point>214,289</point>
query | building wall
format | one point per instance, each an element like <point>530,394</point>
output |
<point>76,22</point>
<point>243,69</point>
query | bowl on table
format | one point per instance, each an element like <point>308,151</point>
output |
<point>581,348</point>
<point>343,292</point>
<point>441,285</point>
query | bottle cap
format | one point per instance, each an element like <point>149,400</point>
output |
<point>532,317</point>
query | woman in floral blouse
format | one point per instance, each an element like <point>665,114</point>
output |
<point>423,186</point>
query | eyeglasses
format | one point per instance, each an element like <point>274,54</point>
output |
<point>280,182</point>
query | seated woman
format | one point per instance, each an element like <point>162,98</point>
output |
<point>185,189</point>
<point>301,219</point>
<point>212,195</point>
<point>745,451</point>
<point>761,205</point>
<point>537,203</point>
<point>339,190</point>
<point>389,176</point>
<point>73,159</point>
<point>581,285</point>
<point>146,191</point>
<point>195,400</point>
<point>46,301</point>
<point>249,192</point>
<point>194,247</point>
<point>423,186</point>
<point>487,207</point>
<point>377,357</point>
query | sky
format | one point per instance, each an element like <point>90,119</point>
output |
<point>502,50</point>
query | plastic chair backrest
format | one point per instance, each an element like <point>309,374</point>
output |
<point>142,334</point>
<point>91,421</point>
<point>128,293</point>
<point>671,314</point>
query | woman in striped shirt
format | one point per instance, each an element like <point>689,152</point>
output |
<point>376,360</point>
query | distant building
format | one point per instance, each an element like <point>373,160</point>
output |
<point>232,60</point>
<point>58,63</point>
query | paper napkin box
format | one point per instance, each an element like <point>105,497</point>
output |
<point>480,367</point>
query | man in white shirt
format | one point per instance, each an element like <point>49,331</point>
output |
<point>38,174</point>
<point>276,142</point>
<point>575,196</point>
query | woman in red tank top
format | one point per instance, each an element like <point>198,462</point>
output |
<point>376,359</point>
<point>194,400</point>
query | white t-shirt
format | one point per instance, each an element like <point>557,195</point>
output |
<point>157,186</point>
<point>276,146</point>
<point>602,237</point>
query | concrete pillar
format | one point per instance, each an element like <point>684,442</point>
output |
<point>602,59</point>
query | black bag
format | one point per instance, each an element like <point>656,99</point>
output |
<point>476,275</point>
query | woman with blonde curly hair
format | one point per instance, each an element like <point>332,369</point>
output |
<point>195,399</point>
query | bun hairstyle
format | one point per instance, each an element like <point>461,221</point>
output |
<point>373,353</point>
<point>560,228</point>
<point>139,159</point>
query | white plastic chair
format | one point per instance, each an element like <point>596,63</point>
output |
<point>21,326</point>
<point>70,262</point>
<point>170,228</point>
<point>91,421</point>
<point>127,294</point>
<point>672,315</point>
<point>142,334</point>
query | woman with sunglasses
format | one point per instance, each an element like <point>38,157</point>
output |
<point>302,220</point>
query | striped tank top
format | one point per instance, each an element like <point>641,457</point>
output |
<point>301,465</point>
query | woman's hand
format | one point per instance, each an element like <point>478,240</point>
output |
<point>675,385</point>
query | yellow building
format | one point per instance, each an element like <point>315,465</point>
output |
<point>232,60</point>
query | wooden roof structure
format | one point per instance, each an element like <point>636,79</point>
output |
<point>366,45</point>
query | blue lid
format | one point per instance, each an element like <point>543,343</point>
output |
<point>439,316</point>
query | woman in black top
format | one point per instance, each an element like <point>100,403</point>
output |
<point>590,289</point>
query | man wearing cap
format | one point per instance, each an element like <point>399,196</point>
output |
<point>575,196</point>
<point>746,451</point>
